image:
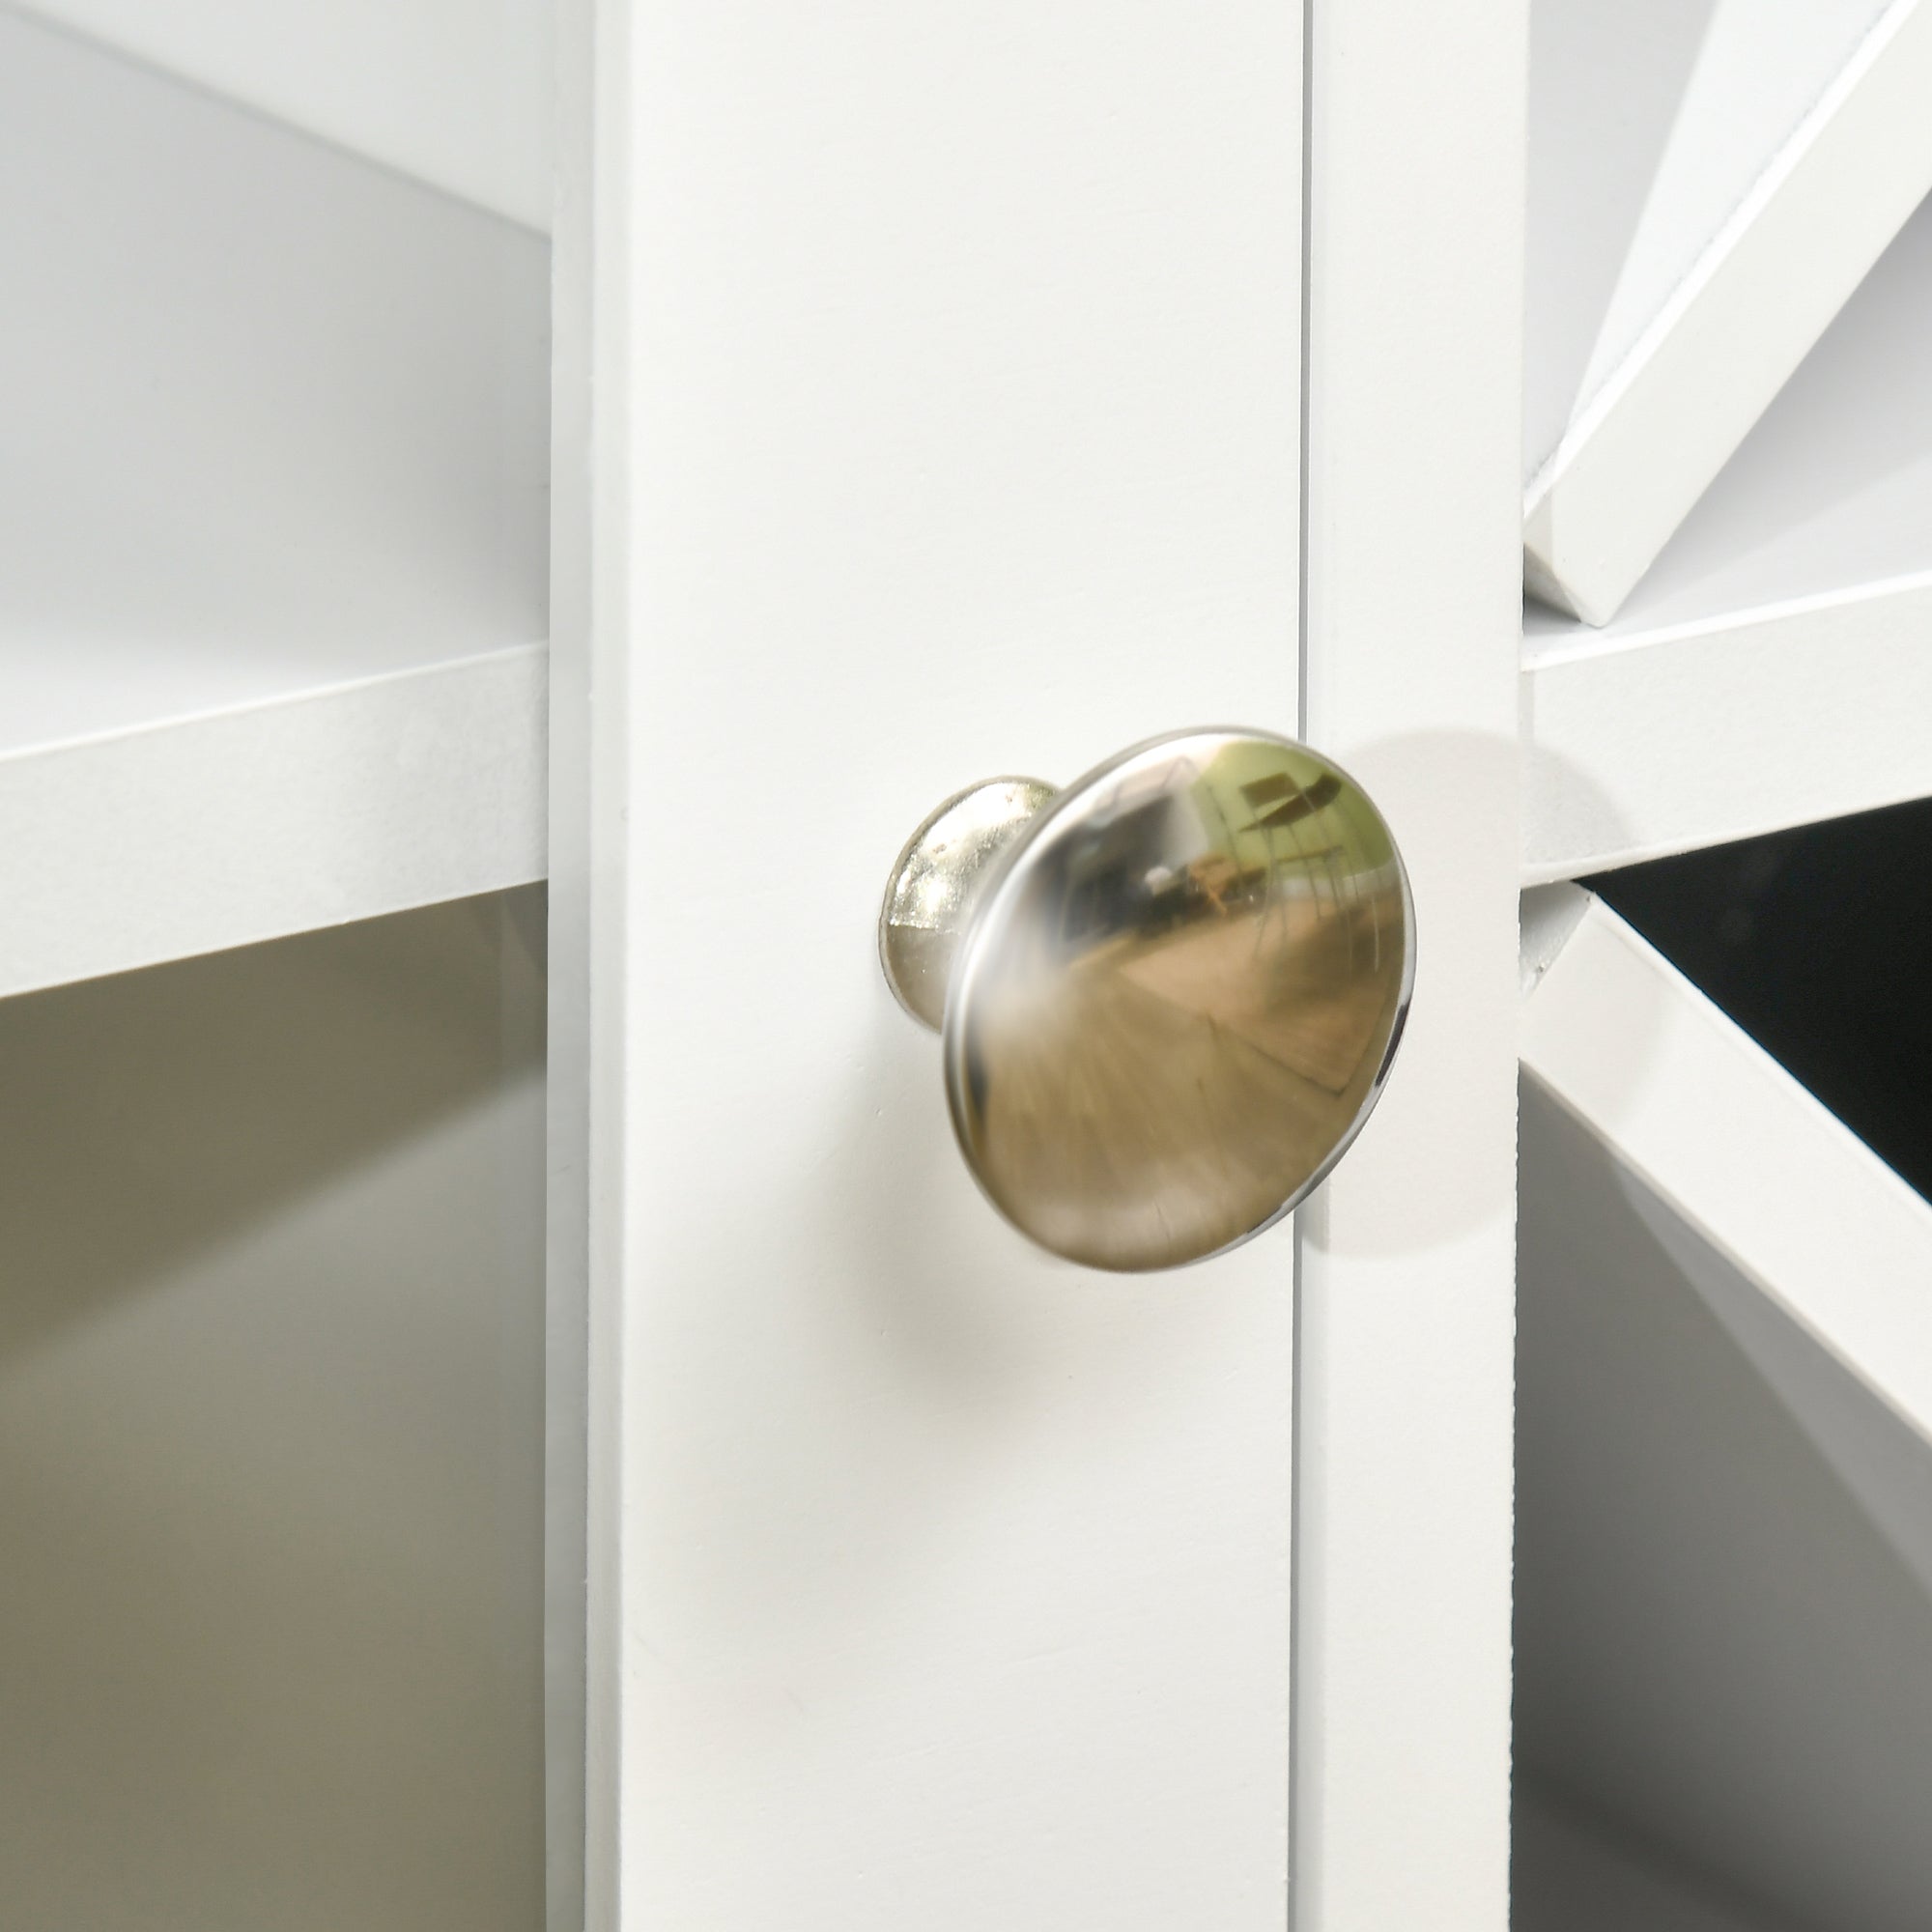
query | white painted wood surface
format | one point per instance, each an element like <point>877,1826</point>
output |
<point>1742,1151</point>
<point>454,92</point>
<point>1406,1258</point>
<point>1688,740</point>
<point>272,523</point>
<point>1725,1568</point>
<point>271,1436</point>
<point>329,805</point>
<point>947,380</point>
<point>1709,185</point>
<point>1771,670</point>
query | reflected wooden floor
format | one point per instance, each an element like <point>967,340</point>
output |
<point>1314,999</point>
<point>1180,1084</point>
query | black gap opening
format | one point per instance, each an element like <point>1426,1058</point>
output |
<point>1816,942</point>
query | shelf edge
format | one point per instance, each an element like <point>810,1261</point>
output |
<point>1785,718</point>
<point>241,826</point>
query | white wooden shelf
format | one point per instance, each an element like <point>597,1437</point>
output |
<point>272,508</point>
<point>1709,185</point>
<point>1773,669</point>
<point>1725,1605</point>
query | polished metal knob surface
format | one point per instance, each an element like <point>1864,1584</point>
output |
<point>1169,995</point>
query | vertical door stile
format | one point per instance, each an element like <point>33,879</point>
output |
<point>1403,1457</point>
<point>927,409</point>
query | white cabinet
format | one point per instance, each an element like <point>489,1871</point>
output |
<point>511,1408</point>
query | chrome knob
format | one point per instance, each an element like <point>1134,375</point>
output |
<point>1169,995</point>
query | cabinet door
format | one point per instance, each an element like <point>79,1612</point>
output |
<point>937,394</point>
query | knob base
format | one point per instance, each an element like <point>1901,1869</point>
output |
<point>937,882</point>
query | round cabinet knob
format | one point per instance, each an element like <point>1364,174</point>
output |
<point>1169,995</point>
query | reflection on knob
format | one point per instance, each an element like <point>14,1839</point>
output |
<point>1170,995</point>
